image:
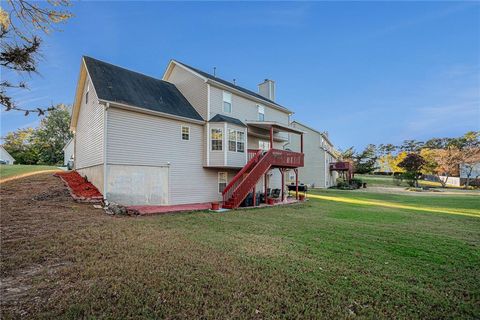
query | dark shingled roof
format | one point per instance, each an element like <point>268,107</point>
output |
<point>116,84</point>
<point>222,118</point>
<point>227,83</point>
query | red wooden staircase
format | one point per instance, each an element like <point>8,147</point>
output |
<point>259,164</point>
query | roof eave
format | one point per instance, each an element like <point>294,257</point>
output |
<point>78,94</point>
<point>148,111</point>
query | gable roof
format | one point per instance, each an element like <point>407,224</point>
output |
<point>231,85</point>
<point>324,136</point>
<point>116,84</point>
<point>222,118</point>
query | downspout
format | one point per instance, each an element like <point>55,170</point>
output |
<point>326,172</point>
<point>208,124</point>
<point>105,176</point>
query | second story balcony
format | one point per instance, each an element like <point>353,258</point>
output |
<point>279,158</point>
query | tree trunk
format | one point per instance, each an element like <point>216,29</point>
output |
<point>444,184</point>
<point>467,183</point>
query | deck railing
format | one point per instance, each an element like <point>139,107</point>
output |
<point>285,158</point>
<point>341,166</point>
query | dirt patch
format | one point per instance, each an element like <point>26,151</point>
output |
<point>51,195</point>
<point>37,214</point>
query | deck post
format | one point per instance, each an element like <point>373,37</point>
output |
<point>283,183</point>
<point>254,195</point>
<point>271,137</point>
<point>265,186</point>
<point>301,143</point>
<point>296,183</point>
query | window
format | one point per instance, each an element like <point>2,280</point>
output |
<point>222,181</point>
<point>240,141</point>
<point>217,139</point>
<point>264,145</point>
<point>261,113</point>
<point>227,102</point>
<point>86,94</point>
<point>232,140</point>
<point>236,140</point>
<point>185,133</point>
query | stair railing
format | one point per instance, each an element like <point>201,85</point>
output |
<point>243,188</point>
<point>238,178</point>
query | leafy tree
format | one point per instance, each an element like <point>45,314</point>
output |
<point>411,146</point>
<point>413,164</point>
<point>20,145</point>
<point>470,146</point>
<point>394,162</point>
<point>384,149</point>
<point>53,134</point>
<point>20,24</point>
<point>43,145</point>
<point>366,161</point>
<point>448,161</point>
<point>348,154</point>
<point>431,165</point>
<point>436,143</point>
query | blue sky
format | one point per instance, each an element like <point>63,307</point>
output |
<point>366,72</point>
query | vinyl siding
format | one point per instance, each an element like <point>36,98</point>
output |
<point>316,169</point>
<point>244,109</point>
<point>192,87</point>
<point>89,131</point>
<point>140,139</point>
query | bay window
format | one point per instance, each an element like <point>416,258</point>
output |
<point>217,139</point>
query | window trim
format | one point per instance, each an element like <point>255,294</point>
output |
<point>218,180</point>
<point>229,99</point>
<point>234,131</point>
<point>181,132</point>
<point>238,141</point>
<point>211,139</point>
<point>260,111</point>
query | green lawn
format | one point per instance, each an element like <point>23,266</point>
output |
<point>8,171</point>
<point>322,259</point>
<point>388,181</point>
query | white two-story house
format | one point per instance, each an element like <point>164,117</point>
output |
<point>188,138</point>
<point>319,155</point>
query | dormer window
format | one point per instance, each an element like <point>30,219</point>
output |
<point>86,93</point>
<point>227,102</point>
<point>261,112</point>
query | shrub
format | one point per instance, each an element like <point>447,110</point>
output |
<point>356,183</point>
<point>397,179</point>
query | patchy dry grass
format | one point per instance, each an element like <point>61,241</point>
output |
<point>323,259</point>
<point>17,170</point>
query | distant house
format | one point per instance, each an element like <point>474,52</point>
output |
<point>188,138</point>
<point>470,170</point>
<point>5,157</point>
<point>319,154</point>
<point>68,151</point>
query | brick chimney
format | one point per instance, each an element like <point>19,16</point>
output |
<point>267,89</point>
